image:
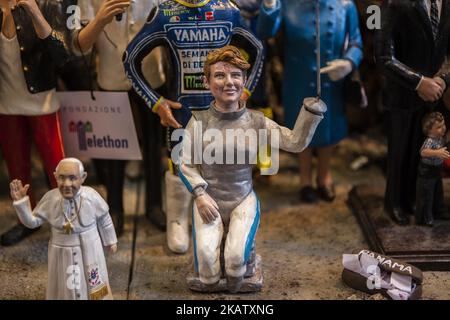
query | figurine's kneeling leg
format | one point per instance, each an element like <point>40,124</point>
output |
<point>179,202</point>
<point>244,222</point>
<point>207,240</point>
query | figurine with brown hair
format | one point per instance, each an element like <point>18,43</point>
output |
<point>226,210</point>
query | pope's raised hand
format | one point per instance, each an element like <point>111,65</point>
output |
<point>18,191</point>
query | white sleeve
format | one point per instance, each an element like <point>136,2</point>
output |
<point>106,229</point>
<point>23,210</point>
<point>298,139</point>
<point>105,224</point>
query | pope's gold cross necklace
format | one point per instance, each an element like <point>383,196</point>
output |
<point>68,226</point>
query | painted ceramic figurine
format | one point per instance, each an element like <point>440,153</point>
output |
<point>226,210</point>
<point>32,47</point>
<point>338,23</point>
<point>188,29</point>
<point>410,49</point>
<point>80,225</point>
<point>430,194</point>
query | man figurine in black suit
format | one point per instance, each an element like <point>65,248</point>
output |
<point>410,47</point>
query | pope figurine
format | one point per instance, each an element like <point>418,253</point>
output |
<point>80,227</point>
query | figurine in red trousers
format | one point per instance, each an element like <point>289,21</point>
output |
<point>31,48</point>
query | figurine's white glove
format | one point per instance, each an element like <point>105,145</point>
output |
<point>207,207</point>
<point>337,69</point>
<point>270,3</point>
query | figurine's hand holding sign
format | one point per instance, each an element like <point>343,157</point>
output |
<point>18,191</point>
<point>207,208</point>
<point>109,9</point>
<point>164,111</point>
<point>337,69</point>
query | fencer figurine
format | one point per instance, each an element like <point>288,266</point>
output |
<point>410,48</point>
<point>226,210</point>
<point>80,227</point>
<point>188,29</point>
<point>340,54</point>
<point>430,193</point>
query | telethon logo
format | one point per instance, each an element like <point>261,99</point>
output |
<point>83,129</point>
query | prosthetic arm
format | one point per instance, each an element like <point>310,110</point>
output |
<point>308,119</point>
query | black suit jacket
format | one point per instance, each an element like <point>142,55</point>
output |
<point>406,51</point>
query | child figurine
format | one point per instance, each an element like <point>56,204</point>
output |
<point>430,195</point>
<point>80,223</point>
<point>226,209</point>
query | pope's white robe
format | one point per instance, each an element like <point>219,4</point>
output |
<point>76,261</point>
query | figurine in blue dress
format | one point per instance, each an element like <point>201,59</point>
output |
<point>341,53</point>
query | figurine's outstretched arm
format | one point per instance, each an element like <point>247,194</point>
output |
<point>22,205</point>
<point>298,139</point>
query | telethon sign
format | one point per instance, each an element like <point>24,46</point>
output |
<point>100,129</point>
